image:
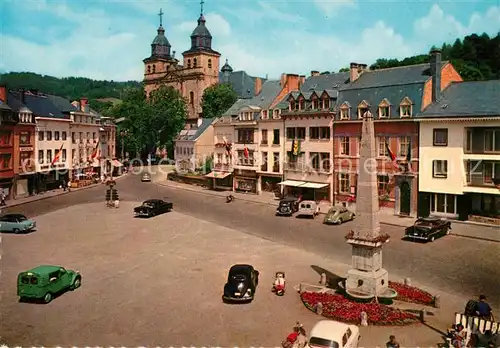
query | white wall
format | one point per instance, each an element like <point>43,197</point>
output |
<point>52,125</point>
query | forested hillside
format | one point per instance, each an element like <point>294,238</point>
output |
<point>476,57</point>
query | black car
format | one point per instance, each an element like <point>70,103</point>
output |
<point>153,207</point>
<point>242,282</point>
<point>288,206</point>
<point>428,229</point>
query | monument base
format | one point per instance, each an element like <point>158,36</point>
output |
<point>367,283</point>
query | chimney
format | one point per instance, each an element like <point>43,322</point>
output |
<point>199,121</point>
<point>283,80</point>
<point>292,82</point>
<point>84,104</point>
<point>436,74</point>
<point>302,79</point>
<point>3,93</point>
<point>354,72</point>
<point>258,85</point>
<point>173,54</point>
<point>22,94</point>
<point>314,73</point>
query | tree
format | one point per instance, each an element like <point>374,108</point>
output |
<point>344,70</point>
<point>150,123</point>
<point>217,99</point>
<point>325,73</point>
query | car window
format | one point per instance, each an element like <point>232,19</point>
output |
<point>4,219</point>
<point>53,276</point>
<point>161,202</point>
<point>25,280</point>
<point>34,280</point>
<point>308,206</point>
<point>343,210</point>
<point>21,218</point>
<point>316,341</point>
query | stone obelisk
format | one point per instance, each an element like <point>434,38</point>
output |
<point>367,277</point>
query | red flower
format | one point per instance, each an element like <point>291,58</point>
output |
<point>412,294</point>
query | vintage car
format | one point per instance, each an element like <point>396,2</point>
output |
<point>153,207</point>
<point>16,223</point>
<point>146,177</point>
<point>333,334</point>
<point>45,282</point>
<point>308,208</point>
<point>428,229</point>
<point>241,285</point>
<point>338,215</point>
<point>287,207</point>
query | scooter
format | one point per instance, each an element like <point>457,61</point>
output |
<point>279,284</point>
<point>229,198</point>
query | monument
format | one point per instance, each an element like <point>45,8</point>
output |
<point>367,278</point>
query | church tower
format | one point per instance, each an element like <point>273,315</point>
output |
<point>161,59</point>
<point>201,64</point>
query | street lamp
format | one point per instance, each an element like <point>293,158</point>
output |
<point>123,134</point>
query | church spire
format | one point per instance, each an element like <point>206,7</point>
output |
<point>201,6</point>
<point>161,17</point>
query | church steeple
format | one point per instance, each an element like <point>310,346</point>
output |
<point>201,39</point>
<point>160,46</point>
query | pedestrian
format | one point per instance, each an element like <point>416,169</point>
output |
<point>69,185</point>
<point>460,337</point>
<point>392,342</point>
<point>483,309</point>
<point>3,197</point>
<point>64,185</point>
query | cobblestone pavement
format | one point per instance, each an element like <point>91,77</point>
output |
<point>158,282</point>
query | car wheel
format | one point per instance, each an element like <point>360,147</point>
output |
<point>341,221</point>
<point>352,217</point>
<point>77,283</point>
<point>16,230</point>
<point>448,231</point>
<point>432,239</point>
<point>47,298</point>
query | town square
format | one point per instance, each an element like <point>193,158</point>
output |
<point>200,199</point>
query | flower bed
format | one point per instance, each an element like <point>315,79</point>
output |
<point>379,239</point>
<point>337,307</point>
<point>412,294</point>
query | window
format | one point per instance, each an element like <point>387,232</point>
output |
<point>301,133</point>
<point>5,161</point>
<point>325,161</point>
<point>314,133</point>
<point>276,113</point>
<point>302,104</point>
<point>25,138</point>
<point>49,135</point>
<point>40,156</point>
<point>63,136</point>
<point>244,161</point>
<point>443,203</point>
<point>149,69</point>
<point>56,135</point>
<point>93,135</point>
<point>264,115</point>
<point>468,140</point>
<point>41,135</point>
<point>80,134</point>
<point>344,113</point>
<point>189,64</point>
<point>492,140</point>
<point>404,144</point>
<point>491,170</point>
<point>383,143</point>
<point>88,137</point>
<point>405,110</point>
<point>324,133</point>
<point>383,112</point>
<point>344,183</point>
<point>154,68</point>
<point>290,133</point>
<point>263,141</point>
<point>264,161</point>
<point>73,154</point>
<point>210,63</point>
<point>315,160</point>
<point>245,136</point>
<point>219,158</point>
<point>440,137</point>
<point>73,137</point>
<point>49,156</point>
<point>326,103</point>
<point>195,62</point>
<point>64,155</point>
<point>191,98</point>
<point>292,105</point>
<point>440,168</point>
<point>276,163</point>
<point>382,184</point>
<point>276,137</point>
<point>361,111</point>
<point>344,146</point>
<point>315,104</point>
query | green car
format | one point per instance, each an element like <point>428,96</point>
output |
<point>338,215</point>
<point>44,282</point>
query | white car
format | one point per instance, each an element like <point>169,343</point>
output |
<point>333,334</point>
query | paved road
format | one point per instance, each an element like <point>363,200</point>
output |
<point>458,265</point>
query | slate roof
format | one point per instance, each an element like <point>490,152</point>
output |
<point>374,96</point>
<point>4,106</point>
<point>269,92</point>
<point>14,103</point>
<point>327,81</point>
<point>193,134</point>
<point>233,110</point>
<point>467,99</point>
<point>242,83</point>
<point>41,105</point>
<point>62,104</point>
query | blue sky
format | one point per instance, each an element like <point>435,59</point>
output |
<point>107,39</point>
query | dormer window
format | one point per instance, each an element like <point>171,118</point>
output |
<point>302,104</point>
<point>149,69</point>
<point>276,113</point>
<point>406,107</point>
<point>362,108</point>
<point>210,63</point>
<point>189,64</point>
<point>195,62</point>
<point>326,103</point>
<point>344,113</point>
<point>384,109</point>
<point>315,104</point>
<point>264,115</point>
<point>292,105</point>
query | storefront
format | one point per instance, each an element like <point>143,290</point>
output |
<point>308,190</point>
<point>6,187</point>
<point>270,183</point>
<point>245,181</point>
<point>221,180</point>
<point>50,177</point>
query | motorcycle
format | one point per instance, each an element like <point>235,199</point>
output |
<point>229,198</point>
<point>279,284</point>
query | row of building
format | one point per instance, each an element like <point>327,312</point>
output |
<point>438,138</point>
<point>46,140</point>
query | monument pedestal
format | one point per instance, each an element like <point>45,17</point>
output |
<point>373,283</point>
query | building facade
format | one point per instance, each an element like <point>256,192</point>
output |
<point>7,122</point>
<point>194,148</point>
<point>460,152</point>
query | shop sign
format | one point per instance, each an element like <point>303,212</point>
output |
<point>26,149</point>
<point>247,174</point>
<point>45,167</point>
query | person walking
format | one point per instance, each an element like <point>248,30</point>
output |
<point>69,185</point>
<point>2,199</point>
<point>64,185</point>
<point>483,309</point>
<point>392,342</point>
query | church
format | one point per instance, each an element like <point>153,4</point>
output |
<point>198,70</point>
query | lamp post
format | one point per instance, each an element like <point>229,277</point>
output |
<point>123,134</point>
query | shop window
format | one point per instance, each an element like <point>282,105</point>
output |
<point>442,203</point>
<point>344,183</point>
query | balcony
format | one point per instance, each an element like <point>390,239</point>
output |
<point>482,141</point>
<point>246,162</point>
<point>223,167</point>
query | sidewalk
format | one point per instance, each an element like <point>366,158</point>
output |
<point>459,228</point>
<point>49,194</point>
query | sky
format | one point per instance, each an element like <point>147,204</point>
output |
<point>108,39</point>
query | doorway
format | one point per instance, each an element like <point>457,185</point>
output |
<point>405,198</point>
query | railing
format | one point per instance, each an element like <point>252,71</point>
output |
<point>223,167</point>
<point>246,162</point>
<point>241,142</point>
<point>478,180</point>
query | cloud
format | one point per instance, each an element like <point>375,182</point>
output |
<point>218,25</point>
<point>332,8</point>
<point>265,11</point>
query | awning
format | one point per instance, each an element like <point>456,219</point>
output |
<point>116,163</point>
<point>292,183</point>
<point>314,185</point>
<point>218,175</point>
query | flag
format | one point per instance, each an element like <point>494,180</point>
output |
<point>292,150</point>
<point>228,148</point>
<point>296,147</point>
<point>391,155</point>
<point>96,150</point>
<point>246,153</point>
<point>57,155</point>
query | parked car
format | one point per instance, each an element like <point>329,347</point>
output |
<point>428,229</point>
<point>242,281</point>
<point>45,282</point>
<point>153,207</point>
<point>338,215</point>
<point>287,206</point>
<point>146,177</point>
<point>308,208</point>
<point>16,223</point>
<point>329,333</point>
